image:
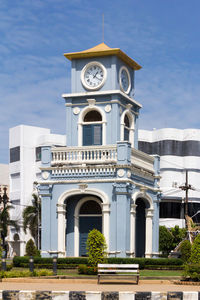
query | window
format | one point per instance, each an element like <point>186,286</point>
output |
<point>170,210</point>
<point>92,132</point>
<point>14,154</point>
<point>38,153</point>
<point>126,128</point>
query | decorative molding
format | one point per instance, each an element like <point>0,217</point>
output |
<point>96,93</point>
<point>120,172</point>
<point>108,108</point>
<point>83,187</point>
<point>128,173</point>
<point>91,102</point>
<point>76,110</point>
<point>45,175</point>
<point>129,106</point>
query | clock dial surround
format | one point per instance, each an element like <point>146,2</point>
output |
<point>93,75</point>
<point>124,79</point>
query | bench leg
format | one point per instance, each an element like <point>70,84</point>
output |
<point>98,279</point>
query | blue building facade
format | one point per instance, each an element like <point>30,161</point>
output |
<point>100,179</point>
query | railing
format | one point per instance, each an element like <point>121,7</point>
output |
<point>86,154</point>
<point>142,160</point>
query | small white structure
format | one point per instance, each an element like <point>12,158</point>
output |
<point>179,150</point>
<point>25,159</point>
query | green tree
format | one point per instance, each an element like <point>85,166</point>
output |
<point>96,246</point>
<point>195,251</point>
<point>32,218</point>
<point>5,222</point>
<point>31,249</point>
<point>165,240</point>
<point>185,249</point>
<point>178,235</point>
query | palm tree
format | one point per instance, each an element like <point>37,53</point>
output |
<point>32,218</point>
<point>5,222</point>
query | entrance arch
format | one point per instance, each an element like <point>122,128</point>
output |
<point>141,225</point>
<point>90,217</point>
<point>61,212</point>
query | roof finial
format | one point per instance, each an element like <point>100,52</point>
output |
<point>103,28</point>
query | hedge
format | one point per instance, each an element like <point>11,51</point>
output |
<point>73,262</point>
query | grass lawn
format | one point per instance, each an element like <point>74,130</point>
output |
<point>143,273</point>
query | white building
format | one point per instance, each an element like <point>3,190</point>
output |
<point>24,169</point>
<point>179,150</point>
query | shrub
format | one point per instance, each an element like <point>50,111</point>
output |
<point>192,272</point>
<point>96,246</point>
<point>26,273</point>
<point>195,251</point>
<point>185,249</point>
<point>165,240</point>
<point>31,249</point>
<point>88,270</point>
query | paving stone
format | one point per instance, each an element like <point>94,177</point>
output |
<point>10,295</point>
<point>175,296</point>
<point>158,296</point>
<point>93,295</point>
<point>27,295</point>
<point>126,296</point>
<point>60,295</point>
<point>43,295</point>
<point>77,295</point>
<point>190,295</point>
<point>110,296</point>
<point>143,296</point>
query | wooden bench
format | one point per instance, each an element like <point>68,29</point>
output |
<point>113,270</point>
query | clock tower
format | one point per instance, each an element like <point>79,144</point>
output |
<point>100,180</point>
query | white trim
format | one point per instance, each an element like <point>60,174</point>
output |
<point>89,65</point>
<point>132,126</point>
<point>96,93</point>
<point>129,79</point>
<point>149,222</point>
<point>61,222</point>
<point>76,221</point>
<point>81,123</point>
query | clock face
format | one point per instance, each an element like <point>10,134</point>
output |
<point>124,79</point>
<point>93,76</point>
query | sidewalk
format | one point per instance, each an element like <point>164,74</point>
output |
<point>91,285</point>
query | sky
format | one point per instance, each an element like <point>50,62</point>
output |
<point>161,35</point>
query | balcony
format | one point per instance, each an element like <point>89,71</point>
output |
<point>120,154</point>
<point>84,155</point>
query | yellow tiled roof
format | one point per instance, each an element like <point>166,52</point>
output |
<point>103,50</point>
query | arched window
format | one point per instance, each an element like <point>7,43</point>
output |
<point>92,128</point>
<point>126,128</point>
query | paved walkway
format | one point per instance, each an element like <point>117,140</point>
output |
<point>91,285</point>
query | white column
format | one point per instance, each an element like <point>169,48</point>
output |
<point>149,232</point>
<point>106,222</point>
<point>61,211</point>
<point>132,229</point>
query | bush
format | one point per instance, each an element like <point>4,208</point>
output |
<point>31,249</point>
<point>96,246</point>
<point>88,270</point>
<point>195,251</point>
<point>192,272</point>
<point>26,273</point>
<point>185,249</point>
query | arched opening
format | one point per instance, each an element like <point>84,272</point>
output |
<point>140,228</point>
<point>90,217</point>
<point>126,128</point>
<point>92,128</point>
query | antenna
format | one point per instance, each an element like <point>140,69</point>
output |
<point>103,28</point>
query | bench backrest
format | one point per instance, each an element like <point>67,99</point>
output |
<point>118,266</point>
